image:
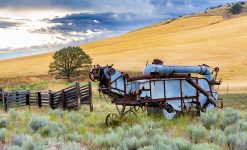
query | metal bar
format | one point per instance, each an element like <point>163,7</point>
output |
<point>209,97</point>
<point>159,76</point>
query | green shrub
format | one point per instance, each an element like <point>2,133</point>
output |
<point>205,146</point>
<point>231,129</point>
<point>70,146</point>
<point>230,116</point>
<point>18,140</point>
<point>237,141</point>
<point>183,144</point>
<point>37,123</point>
<point>15,147</point>
<point>236,8</point>
<point>136,131</point>
<point>218,137</point>
<point>143,136</point>
<point>74,137</point>
<point>28,144</point>
<point>3,122</point>
<point>3,135</point>
<point>52,129</point>
<point>13,114</point>
<point>75,118</point>
<point>111,139</point>
<point>196,133</point>
<point>130,143</point>
<point>45,131</point>
<point>88,137</point>
<point>210,118</point>
<point>149,147</point>
<point>57,112</point>
<point>143,141</point>
<point>241,125</point>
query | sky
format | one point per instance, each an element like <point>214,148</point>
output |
<point>30,27</point>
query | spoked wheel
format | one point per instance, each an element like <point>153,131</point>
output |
<point>129,117</point>
<point>112,120</point>
<point>140,108</point>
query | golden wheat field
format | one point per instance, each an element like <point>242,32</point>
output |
<point>191,40</point>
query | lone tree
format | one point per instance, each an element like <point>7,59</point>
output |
<point>236,8</point>
<point>70,62</point>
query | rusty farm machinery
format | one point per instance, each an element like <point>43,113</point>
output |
<point>174,90</point>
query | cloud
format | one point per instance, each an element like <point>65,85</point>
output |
<point>101,21</point>
<point>7,22</point>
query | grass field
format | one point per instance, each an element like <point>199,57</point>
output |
<point>39,129</point>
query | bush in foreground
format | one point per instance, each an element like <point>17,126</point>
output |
<point>210,118</point>
<point>196,133</point>
<point>70,146</point>
<point>3,135</point>
<point>205,146</point>
<point>18,140</point>
<point>230,116</point>
<point>37,123</point>
<point>218,137</point>
<point>3,122</point>
<point>237,141</point>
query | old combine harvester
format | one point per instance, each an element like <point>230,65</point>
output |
<point>171,89</point>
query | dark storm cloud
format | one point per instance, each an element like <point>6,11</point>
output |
<point>100,21</point>
<point>105,17</point>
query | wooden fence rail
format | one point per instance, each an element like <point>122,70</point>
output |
<point>69,98</point>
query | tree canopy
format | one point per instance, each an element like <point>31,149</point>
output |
<point>70,62</point>
<point>236,8</point>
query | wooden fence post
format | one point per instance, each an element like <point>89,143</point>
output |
<point>5,103</point>
<point>51,99</point>
<point>90,96</point>
<point>2,92</point>
<point>78,95</point>
<point>28,98</point>
<point>39,99</point>
<point>63,99</point>
<point>3,98</point>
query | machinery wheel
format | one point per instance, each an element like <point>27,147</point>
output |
<point>112,120</point>
<point>130,117</point>
<point>140,108</point>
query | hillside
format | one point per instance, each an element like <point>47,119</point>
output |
<point>210,39</point>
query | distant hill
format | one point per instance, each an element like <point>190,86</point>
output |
<point>214,37</point>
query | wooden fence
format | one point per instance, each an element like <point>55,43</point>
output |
<point>69,98</point>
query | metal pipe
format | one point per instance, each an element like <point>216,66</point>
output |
<point>202,69</point>
<point>159,76</point>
